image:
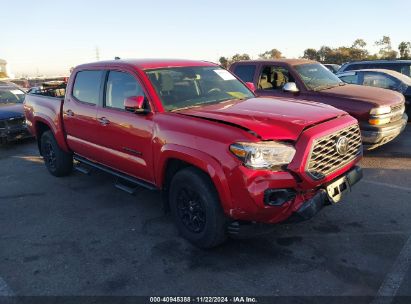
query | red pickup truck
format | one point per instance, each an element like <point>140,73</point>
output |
<point>220,156</point>
<point>380,112</point>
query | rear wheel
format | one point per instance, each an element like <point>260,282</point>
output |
<point>196,208</point>
<point>57,161</point>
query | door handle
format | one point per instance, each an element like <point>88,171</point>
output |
<point>103,121</point>
<point>69,113</point>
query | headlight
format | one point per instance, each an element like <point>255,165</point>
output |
<point>263,155</point>
<point>380,110</point>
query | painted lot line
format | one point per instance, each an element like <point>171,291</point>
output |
<point>5,290</point>
<point>394,278</point>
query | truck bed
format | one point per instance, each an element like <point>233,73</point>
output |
<point>47,110</point>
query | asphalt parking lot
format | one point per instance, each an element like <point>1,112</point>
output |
<point>81,236</point>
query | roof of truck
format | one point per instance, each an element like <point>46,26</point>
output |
<point>145,64</point>
<point>285,60</point>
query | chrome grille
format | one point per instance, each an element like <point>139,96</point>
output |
<point>324,158</point>
<point>397,111</point>
<point>397,107</point>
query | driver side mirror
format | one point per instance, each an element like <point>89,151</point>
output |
<point>290,87</point>
<point>135,104</point>
<point>251,86</point>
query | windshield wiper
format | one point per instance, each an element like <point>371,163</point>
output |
<point>325,87</point>
<point>185,108</point>
<point>197,105</point>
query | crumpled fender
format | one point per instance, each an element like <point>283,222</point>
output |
<point>199,159</point>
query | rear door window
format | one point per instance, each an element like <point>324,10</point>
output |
<point>245,72</point>
<point>380,80</point>
<point>87,86</point>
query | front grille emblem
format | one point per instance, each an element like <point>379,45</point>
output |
<point>341,146</point>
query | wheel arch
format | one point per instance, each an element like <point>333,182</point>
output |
<point>174,158</point>
<point>42,125</point>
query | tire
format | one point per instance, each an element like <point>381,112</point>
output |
<point>196,208</point>
<point>58,162</point>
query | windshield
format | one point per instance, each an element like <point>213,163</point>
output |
<point>185,87</point>
<point>11,96</point>
<point>317,77</point>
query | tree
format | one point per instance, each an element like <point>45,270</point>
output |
<point>359,43</point>
<point>323,53</point>
<point>223,62</point>
<point>405,50</point>
<point>311,54</point>
<point>272,54</point>
<point>239,57</point>
<point>384,43</point>
<point>386,51</point>
<point>226,61</point>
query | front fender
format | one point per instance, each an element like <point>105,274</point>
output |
<point>198,159</point>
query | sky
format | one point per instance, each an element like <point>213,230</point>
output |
<point>49,37</point>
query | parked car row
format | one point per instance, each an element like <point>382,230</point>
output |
<point>400,66</point>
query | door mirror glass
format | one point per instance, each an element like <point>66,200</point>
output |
<point>251,86</point>
<point>290,87</point>
<point>135,104</point>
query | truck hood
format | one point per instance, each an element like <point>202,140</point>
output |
<point>269,118</point>
<point>371,95</point>
<point>11,110</point>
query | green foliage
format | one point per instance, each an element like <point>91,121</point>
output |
<point>272,54</point>
<point>339,55</point>
<point>226,62</point>
<point>357,51</point>
<point>359,43</point>
<point>311,54</point>
<point>386,51</point>
<point>405,50</point>
<point>223,62</point>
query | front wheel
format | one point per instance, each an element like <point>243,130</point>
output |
<point>196,208</point>
<point>57,161</point>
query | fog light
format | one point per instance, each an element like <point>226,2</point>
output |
<point>379,121</point>
<point>277,197</point>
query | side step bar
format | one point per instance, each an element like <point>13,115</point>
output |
<point>125,186</point>
<point>82,169</point>
<point>120,176</point>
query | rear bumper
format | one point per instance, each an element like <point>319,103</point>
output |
<point>375,136</point>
